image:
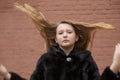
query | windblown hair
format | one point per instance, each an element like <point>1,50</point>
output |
<point>85,31</point>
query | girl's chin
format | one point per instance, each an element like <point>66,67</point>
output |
<point>66,46</point>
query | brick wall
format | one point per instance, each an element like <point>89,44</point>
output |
<point>20,42</point>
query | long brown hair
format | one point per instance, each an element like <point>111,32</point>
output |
<point>85,31</point>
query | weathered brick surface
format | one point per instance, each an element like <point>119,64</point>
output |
<point>20,42</point>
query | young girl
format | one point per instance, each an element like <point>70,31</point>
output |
<point>67,57</point>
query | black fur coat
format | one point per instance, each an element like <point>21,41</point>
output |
<point>78,65</point>
<point>55,65</point>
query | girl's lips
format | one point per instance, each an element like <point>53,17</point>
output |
<point>65,40</point>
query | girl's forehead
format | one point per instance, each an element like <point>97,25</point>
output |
<point>64,26</point>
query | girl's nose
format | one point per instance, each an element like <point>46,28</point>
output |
<point>65,34</point>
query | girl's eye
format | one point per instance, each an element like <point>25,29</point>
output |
<point>70,32</point>
<point>60,33</point>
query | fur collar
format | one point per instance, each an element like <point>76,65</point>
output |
<point>77,58</point>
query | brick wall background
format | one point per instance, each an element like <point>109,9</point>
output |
<point>20,42</point>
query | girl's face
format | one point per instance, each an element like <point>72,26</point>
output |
<point>65,35</point>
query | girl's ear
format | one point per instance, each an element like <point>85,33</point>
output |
<point>77,38</point>
<point>55,40</point>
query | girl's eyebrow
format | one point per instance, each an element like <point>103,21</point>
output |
<point>60,31</point>
<point>69,30</point>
